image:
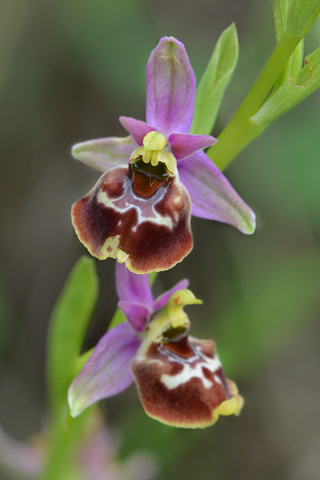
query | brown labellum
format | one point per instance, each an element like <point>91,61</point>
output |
<point>138,215</point>
<point>181,383</point>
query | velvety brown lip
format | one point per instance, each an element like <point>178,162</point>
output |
<point>193,402</point>
<point>151,234</point>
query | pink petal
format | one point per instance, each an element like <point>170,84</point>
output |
<point>21,460</point>
<point>212,195</point>
<point>171,86</point>
<point>183,144</point>
<point>106,373</point>
<point>137,129</point>
<point>136,313</point>
<point>162,300</point>
<point>132,287</point>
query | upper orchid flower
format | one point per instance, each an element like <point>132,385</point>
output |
<point>139,210</point>
<point>180,378</point>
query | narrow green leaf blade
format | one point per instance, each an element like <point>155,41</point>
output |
<point>68,325</point>
<point>280,12</point>
<point>289,94</point>
<point>301,15</point>
<point>293,67</point>
<point>214,81</point>
<point>292,70</point>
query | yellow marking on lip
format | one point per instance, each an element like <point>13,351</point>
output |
<point>110,247</point>
<point>122,256</point>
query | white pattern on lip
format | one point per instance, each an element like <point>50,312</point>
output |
<point>144,208</point>
<point>192,371</point>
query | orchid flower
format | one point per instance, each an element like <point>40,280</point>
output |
<point>179,378</point>
<point>95,457</point>
<point>139,210</point>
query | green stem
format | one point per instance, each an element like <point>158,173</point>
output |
<point>241,130</point>
<point>65,431</point>
<point>62,444</point>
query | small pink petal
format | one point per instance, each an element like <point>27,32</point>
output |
<point>163,299</point>
<point>137,128</point>
<point>136,314</point>
<point>132,287</point>
<point>106,373</point>
<point>183,144</point>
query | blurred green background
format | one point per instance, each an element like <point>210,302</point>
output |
<point>68,70</point>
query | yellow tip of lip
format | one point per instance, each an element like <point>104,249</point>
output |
<point>232,406</point>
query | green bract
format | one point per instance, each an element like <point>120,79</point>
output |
<point>301,15</point>
<point>289,94</point>
<point>299,78</point>
<point>282,70</point>
<point>68,326</point>
<point>214,81</point>
<point>293,66</point>
<point>280,12</point>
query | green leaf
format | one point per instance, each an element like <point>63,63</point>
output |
<point>301,15</point>
<point>280,12</point>
<point>292,70</point>
<point>214,81</point>
<point>289,94</point>
<point>68,326</point>
<point>293,67</point>
<point>250,332</point>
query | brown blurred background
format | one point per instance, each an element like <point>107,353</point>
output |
<point>68,70</point>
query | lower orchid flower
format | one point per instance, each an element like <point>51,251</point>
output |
<point>95,457</point>
<point>139,210</point>
<point>179,378</point>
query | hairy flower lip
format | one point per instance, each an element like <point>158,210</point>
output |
<point>184,386</point>
<point>114,221</point>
